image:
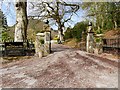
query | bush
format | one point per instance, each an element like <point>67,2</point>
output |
<point>68,34</point>
<point>41,41</point>
<point>77,31</point>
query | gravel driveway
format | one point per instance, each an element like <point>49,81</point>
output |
<point>64,68</point>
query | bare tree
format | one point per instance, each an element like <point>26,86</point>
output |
<point>58,11</point>
<point>21,21</point>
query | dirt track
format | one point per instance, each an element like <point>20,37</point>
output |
<point>64,68</point>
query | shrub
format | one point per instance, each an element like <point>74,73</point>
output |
<point>42,41</point>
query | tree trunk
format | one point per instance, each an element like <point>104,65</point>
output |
<point>102,22</point>
<point>60,32</point>
<point>21,19</point>
<point>60,35</point>
<point>115,24</point>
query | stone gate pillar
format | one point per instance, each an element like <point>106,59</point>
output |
<point>43,41</point>
<point>90,39</point>
<point>39,45</point>
<point>43,44</point>
<point>47,44</point>
<point>99,44</point>
<point>47,39</point>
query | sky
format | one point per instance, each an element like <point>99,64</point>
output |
<point>9,11</point>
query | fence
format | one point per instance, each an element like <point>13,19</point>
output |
<point>11,48</point>
<point>111,46</point>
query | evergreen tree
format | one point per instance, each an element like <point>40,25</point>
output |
<point>3,27</point>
